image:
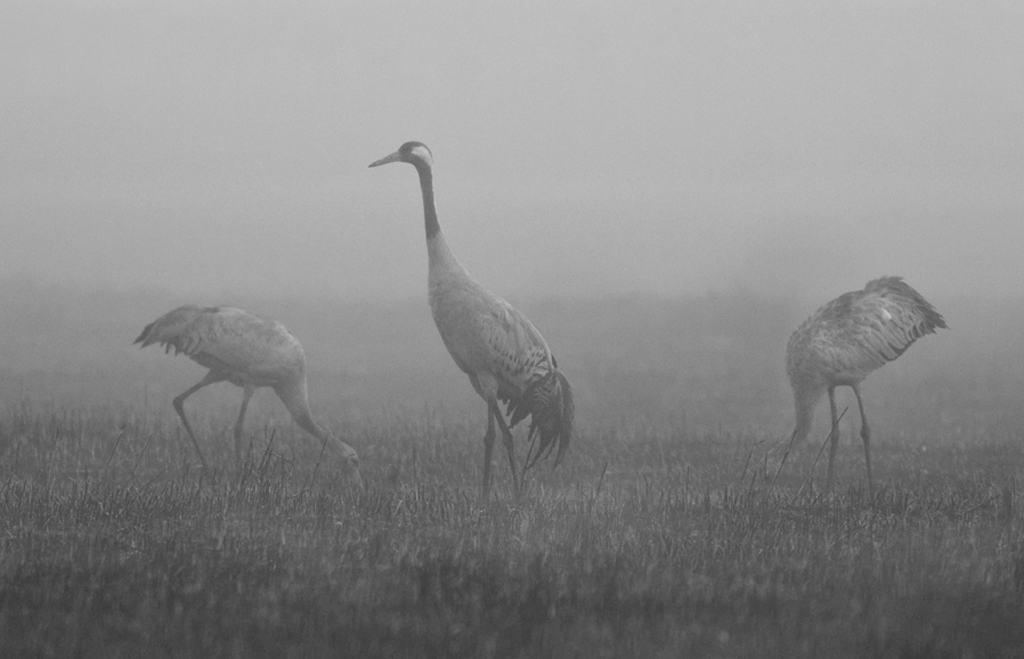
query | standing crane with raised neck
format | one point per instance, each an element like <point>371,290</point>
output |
<point>504,355</point>
<point>844,341</point>
<point>249,352</point>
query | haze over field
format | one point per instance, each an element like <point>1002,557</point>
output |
<point>709,363</point>
<point>581,148</point>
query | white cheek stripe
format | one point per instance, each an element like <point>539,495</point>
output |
<point>423,154</point>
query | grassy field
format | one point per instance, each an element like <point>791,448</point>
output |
<point>645,545</point>
<point>660,536</point>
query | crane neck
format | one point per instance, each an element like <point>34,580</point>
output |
<point>442,262</point>
<point>429,210</point>
<point>804,404</point>
<point>295,397</point>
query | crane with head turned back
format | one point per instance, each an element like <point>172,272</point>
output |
<point>844,341</point>
<point>250,352</point>
<point>505,357</point>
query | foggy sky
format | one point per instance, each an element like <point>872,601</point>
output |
<point>580,148</point>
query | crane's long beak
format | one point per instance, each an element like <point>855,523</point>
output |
<point>386,159</point>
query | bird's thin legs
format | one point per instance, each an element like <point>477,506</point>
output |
<point>494,414</point>
<point>247,392</point>
<point>865,435</point>
<point>488,447</point>
<point>510,447</point>
<point>833,437</point>
<point>179,407</point>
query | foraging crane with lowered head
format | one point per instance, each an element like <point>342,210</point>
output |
<point>250,352</point>
<point>844,341</point>
<point>504,355</point>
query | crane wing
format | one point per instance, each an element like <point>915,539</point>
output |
<point>517,351</point>
<point>174,329</point>
<point>530,384</point>
<point>863,330</point>
<point>486,335</point>
<point>243,342</point>
<point>228,340</point>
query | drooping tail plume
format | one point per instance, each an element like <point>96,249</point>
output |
<point>549,403</point>
<point>175,329</point>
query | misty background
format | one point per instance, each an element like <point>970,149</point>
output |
<point>665,188</point>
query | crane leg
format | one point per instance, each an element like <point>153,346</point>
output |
<point>510,447</point>
<point>488,447</point>
<point>865,435</point>
<point>247,392</point>
<point>179,407</point>
<point>833,437</point>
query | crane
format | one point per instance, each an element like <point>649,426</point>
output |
<point>250,352</point>
<point>844,341</point>
<point>504,355</point>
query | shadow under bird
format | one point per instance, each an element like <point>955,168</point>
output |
<point>249,352</point>
<point>844,341</point>
<point>501,351</point>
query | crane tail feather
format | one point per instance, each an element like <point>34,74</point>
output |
<point>567,418</point>
<point>145,333</point>
<point>549,403</point>
<point>173,329</point>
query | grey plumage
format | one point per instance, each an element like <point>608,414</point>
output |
<point>504,355</point>
<point>844,341</point>
<point>248,351</point>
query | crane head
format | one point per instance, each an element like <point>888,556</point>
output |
<point>414,153</point>
<point>349,462</point>
<point>350,472</point>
